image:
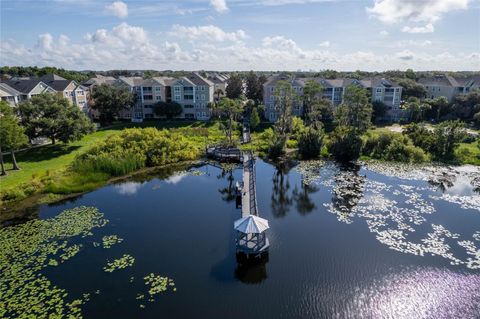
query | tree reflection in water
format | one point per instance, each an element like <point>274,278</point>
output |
<point>252,270</point>
<point>348,190</point>
<point>228,192</point>
<point>281,200</point>
<point>302,198</point>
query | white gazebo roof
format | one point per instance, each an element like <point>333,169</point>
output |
<point>251,225</point>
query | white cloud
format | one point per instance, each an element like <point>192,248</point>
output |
<point>410,43</point>
<point>324,44</point>
<point>219,5</point>
<point>130,47</point>
<point>118,9</point>
<point>280,42</point>
<point>426,29</point>
<point>394,11</point>
<point>45,41</point>
<point>207,32</point>
<point>405,55</point>
<point>384,33</point>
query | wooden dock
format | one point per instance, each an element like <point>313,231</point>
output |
<point>249,194</point>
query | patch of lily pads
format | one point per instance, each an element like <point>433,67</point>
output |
<point>110,240</point>
<point>26,249</point>
<point>121,263</point>
<point>395,211</point>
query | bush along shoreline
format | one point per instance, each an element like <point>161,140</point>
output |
<point>118,155</point>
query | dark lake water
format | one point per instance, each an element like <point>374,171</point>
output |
<point>351,242</point>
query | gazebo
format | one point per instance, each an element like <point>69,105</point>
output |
<point>251,239</point>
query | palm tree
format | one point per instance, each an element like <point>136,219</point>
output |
<point>218,93</point>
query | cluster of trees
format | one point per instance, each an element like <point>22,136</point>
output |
<point>110,100</point>
<point>352,118</point>
<point>23,71</point>
<point>465,107</point>
<point>44,115</point>
<point>349,138</point>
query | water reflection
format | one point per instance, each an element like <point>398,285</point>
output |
<point>348,191</point>
<point>251,270</point>
<point>228,192</point>
<point>302,198</point>
<point>418,293</point>
<point>128,188</point>
<point>281,200</point>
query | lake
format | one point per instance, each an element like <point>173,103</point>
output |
<point>371,241</point>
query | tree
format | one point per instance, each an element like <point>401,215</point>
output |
<point>379,110</point>
<point>412,89</point>
<point>218,93</point>
<point>261,81</point>
<point>311,102</point>
<point>416,108</point>
<point>310,143</point>
<point>55,117</point>
<point>251,82</point>
<point>466,105</point>
<point>234,87</point>
<point>167,109</point>
<point>109,100</point>
<point>345,144</point>
<point>447,136</point>
<point>410,74</point>
<point>438,107</point>
<point>230,109</point>
<point>285,96</point>
<point>254,119</point>
<point>355,110</point>
<point>12,135</point>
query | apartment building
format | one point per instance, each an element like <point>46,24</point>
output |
<point>147,93</point>
<point>219,85</point>
<point>193,93</point>
<point>271,112</point>
<point>24,88</point>
<point>380,90</point>
<point>448,86</point>
<point>9,94</point>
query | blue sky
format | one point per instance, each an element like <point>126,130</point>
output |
<point>242,34</point>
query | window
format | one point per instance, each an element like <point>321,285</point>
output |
<point>203,96</point>
<point>176,89</point>
<point>157,88</point>
<point>147,89</point>
<point>158,98</point>
<point>148,97</point>
<point>188,89</point>
<point>189,116</point>
<point>148,106</point>
<point>188,106</point>
<point>379,90</point>
<point>177,98</point>
<point>188,96</point>
<point>80,92</point>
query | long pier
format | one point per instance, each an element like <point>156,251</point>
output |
<point>249,192</point>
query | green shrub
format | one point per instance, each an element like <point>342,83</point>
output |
<point>310,143</point>
<point>392,146</point>
<point>134,149</point>
<point>13,194</point>
<point>345,144</point>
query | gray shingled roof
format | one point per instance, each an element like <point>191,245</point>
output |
<point>24,86</point>
<point>7,88</point>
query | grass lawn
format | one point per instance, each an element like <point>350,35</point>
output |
<point>37,162</point>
